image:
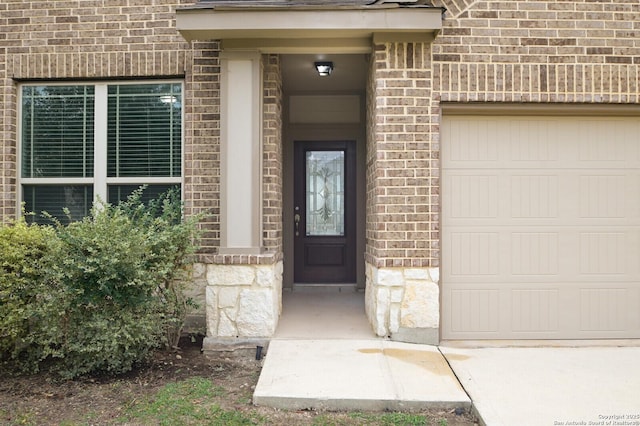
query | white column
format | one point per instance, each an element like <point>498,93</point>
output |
<point>241,152</point>
<point>101,117</point>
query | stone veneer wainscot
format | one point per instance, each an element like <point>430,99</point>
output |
<point>403,303</point>
<point>243,302</point>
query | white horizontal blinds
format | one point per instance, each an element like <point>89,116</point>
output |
<point>57,131</point>
<point>77,199</point>
<point>65,137</point>
<point>144,130</point>
<point>57,149</point>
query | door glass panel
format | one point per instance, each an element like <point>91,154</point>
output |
<point>325,193</point>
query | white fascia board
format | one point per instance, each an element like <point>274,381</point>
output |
<point>220,24</point>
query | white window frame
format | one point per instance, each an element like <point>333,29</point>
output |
<point>99,181</point>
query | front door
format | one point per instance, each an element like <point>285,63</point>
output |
<point>324,212</point>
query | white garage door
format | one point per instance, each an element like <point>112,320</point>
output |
<point>540,227</point>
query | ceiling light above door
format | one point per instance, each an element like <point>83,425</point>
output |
<point>324,68</point>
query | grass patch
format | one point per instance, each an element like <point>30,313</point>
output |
<point>188,402</point>
<point>391,419</point>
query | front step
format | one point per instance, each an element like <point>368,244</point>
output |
<point>371,375</point>
<point>325,288</point>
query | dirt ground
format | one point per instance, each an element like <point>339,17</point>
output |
<point>42,400</point>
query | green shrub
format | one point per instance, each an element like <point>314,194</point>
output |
<point>171,245</point>
<point>111,291</point>
<point>23,258</point>
<point>108,318</point>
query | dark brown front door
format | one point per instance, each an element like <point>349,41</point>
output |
<point>324,212</point>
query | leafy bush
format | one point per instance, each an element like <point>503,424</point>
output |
<point>23,250</point>
<point>171,246</point>
<point>111,291</point>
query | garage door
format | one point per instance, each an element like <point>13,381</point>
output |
<point>540,227</point>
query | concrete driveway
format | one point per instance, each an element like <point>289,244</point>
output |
<point>325,356</point>
<point>550,385</point>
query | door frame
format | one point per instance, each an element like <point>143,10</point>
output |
<point>350,205</point>
<point>355,132</point>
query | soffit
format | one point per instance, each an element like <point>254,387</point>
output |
<point>286,26</point>
<point>349,75</point>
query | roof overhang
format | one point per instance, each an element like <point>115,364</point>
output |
<point>289,30</point>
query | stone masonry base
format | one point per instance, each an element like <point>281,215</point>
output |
<point>243,304</point>
<point>403,303</point>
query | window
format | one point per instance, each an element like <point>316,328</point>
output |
<point>82,143</point>
<point>325,193</point>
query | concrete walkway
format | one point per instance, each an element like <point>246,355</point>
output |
<point>508,386</point>
<point>373,374</point>
<point>551,385</point>
<point>324,356</point>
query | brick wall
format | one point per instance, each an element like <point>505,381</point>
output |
<point>8,150</point>
<point>272,154</point>
<point>509,51</point>
<point>91,39</point>
<point>116,39</point>
<point>371,232</point>
<point>202,141</point>
<point>402,164</point>
<point>515,51</point>
<point>271,168</point>
<point>539,51</point>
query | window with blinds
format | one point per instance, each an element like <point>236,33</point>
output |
<point>145,131</point>
<point>81,143</point>
<point>57,131</point>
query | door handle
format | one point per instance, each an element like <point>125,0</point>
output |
<point>296,219</point>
